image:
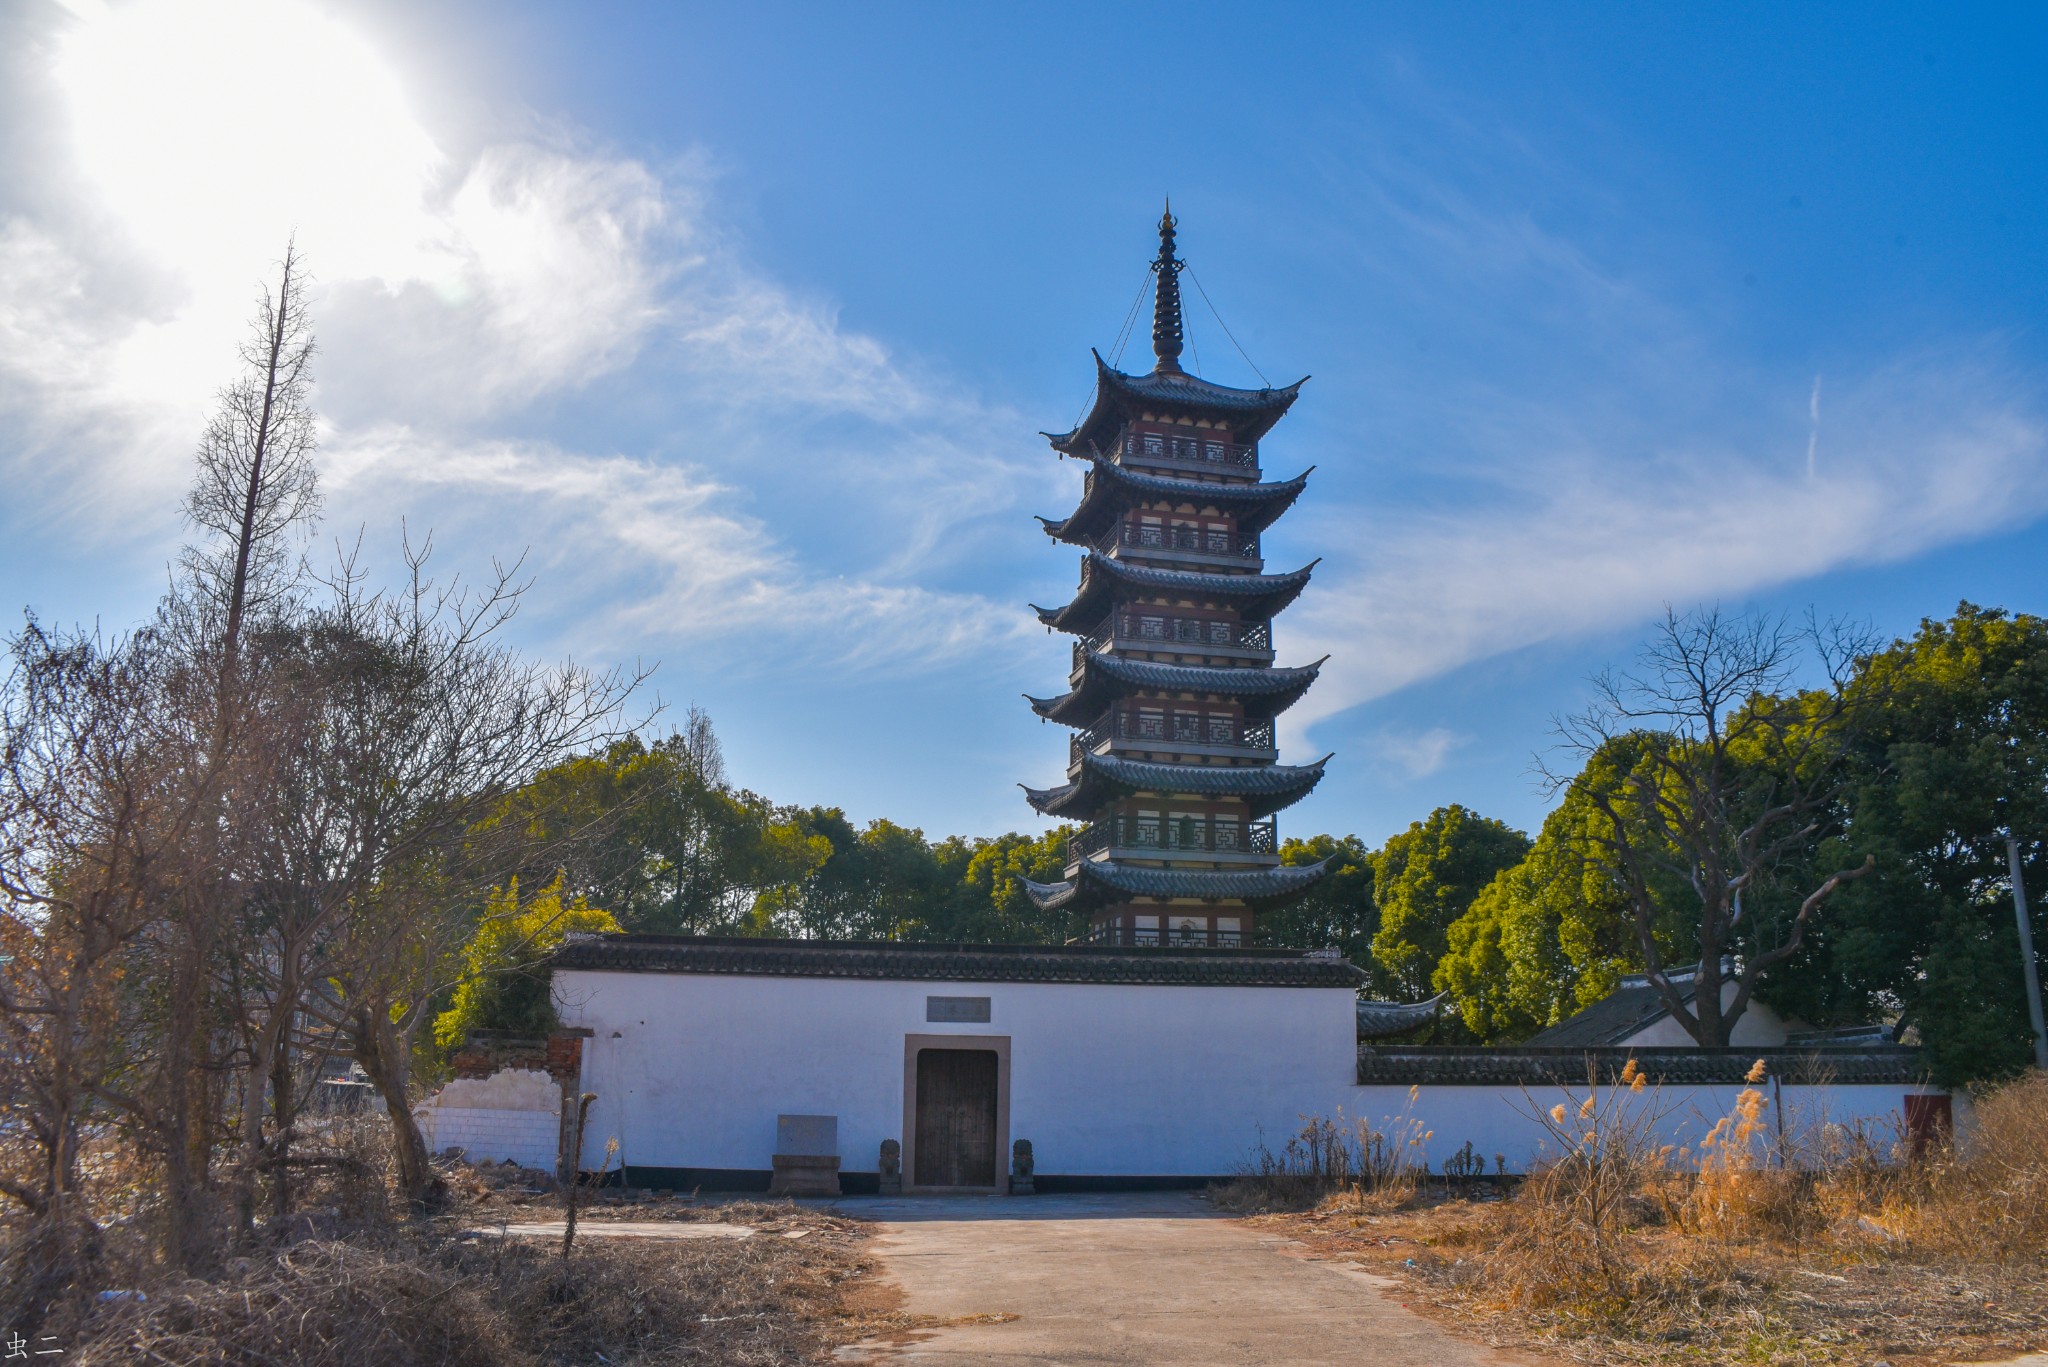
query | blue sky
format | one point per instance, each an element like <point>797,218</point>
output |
<point>740,321</point>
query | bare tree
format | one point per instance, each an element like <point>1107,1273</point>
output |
<point>427,721</point>
<point>1736,795</point>
<point>257,491</point>
<point>253,499</point>
<point>89,840</point>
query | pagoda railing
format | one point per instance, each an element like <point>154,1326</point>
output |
<point>1154,937</point>
<point>1172,835</point>
<point>1154,536</point>
<point>1185,728</point>
<point>1157,446</point>
<point>1147,631</point>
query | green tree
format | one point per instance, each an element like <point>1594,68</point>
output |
<point>506,983</point>
<point>988,904</point>
<point>878,883</point>
<point>1555,933</point>
<point>1951,754</point>
<point>1339,910</point>
<point>1424,879</point>
<point>656,833</point>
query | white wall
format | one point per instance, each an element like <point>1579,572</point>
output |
<point>690,1070</point>
<point>489,1134</point>
<point>1502,1120</point>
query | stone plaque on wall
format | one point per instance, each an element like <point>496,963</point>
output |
<point>957,1010</point>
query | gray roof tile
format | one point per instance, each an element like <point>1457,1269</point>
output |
<point>888,959</point>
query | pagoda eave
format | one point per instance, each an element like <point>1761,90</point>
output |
<point>1100,883</point>
<point>1250,413</point>
<point>1111,490</point>
<point>1265,789</point>
<point>1262,693</point>
<point>1256,597</point>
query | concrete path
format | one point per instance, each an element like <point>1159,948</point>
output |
<point>621,1229</point>
<point>1148,1279</point>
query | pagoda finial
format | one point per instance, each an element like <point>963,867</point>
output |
<point>1166,322</point>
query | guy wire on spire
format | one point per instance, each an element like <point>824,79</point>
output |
<point>1166,319</point>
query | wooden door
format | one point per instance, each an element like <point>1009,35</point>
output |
<point>956,1118</point>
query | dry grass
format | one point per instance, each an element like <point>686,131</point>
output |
<point>1357,1159</point>
<point>1626,1252</point>
<point>342,1285</point>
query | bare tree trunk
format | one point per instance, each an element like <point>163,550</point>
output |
<point>182,1123</point>
<point>378,1048</point>
<point>283,1110</point>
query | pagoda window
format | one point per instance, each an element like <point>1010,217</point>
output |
<point>1187,629</point>
<point>1226,833</point>
<point>1213,451</point>
<point>1187,726</point>
<point>1145,829</point>
<point>1219,540</point>
<point>1150,533</point>
<point>1155,444</point>
<point>1152,628</point>
<point>1222,730</point>
<point>1186,448</point>
<point>1219,633</point>
<point>1151,723</point>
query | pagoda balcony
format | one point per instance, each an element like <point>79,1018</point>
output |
<point>1145,634</point>
<point>1181,733</point>
<point>1154,937</point>
<point>1222,839</point>
<point>1188,545</point>
<point>1181,453</point>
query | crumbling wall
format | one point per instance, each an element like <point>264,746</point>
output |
<point>511,1099</point>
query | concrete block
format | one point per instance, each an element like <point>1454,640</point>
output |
<point>809,1136</point>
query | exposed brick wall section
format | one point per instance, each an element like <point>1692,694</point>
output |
<point>485,1052</point>
<point>565,1057</point>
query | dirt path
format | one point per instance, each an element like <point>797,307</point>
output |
<point>1133,1279</point>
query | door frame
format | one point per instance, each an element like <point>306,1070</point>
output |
<point>912,1046</point>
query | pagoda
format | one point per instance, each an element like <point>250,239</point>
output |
<point>1172,770</point>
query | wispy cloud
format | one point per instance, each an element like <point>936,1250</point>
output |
<point>459,292</point>
<point>1416,754</point>
<point>1621,452</point>
<point>1598,534</point>
<point>652,558</point>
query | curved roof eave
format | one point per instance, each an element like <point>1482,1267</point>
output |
<point>1111,485</point>
<point>1267,887</point>
<point>1264,693</point>
<point>1262,595</point>
<point>1266,788</point>
<point>1252,411</point>
<point>1384,1020</point>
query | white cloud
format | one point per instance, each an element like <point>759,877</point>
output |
<point>651,558</point>
<point>1598,447</point>
<point>1590,537</point>
<point>1417,754</point>
<point>458,291</point>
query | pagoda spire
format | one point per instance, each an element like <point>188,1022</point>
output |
<point>1166,320</point>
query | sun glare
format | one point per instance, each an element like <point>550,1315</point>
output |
<point>213,128</point>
